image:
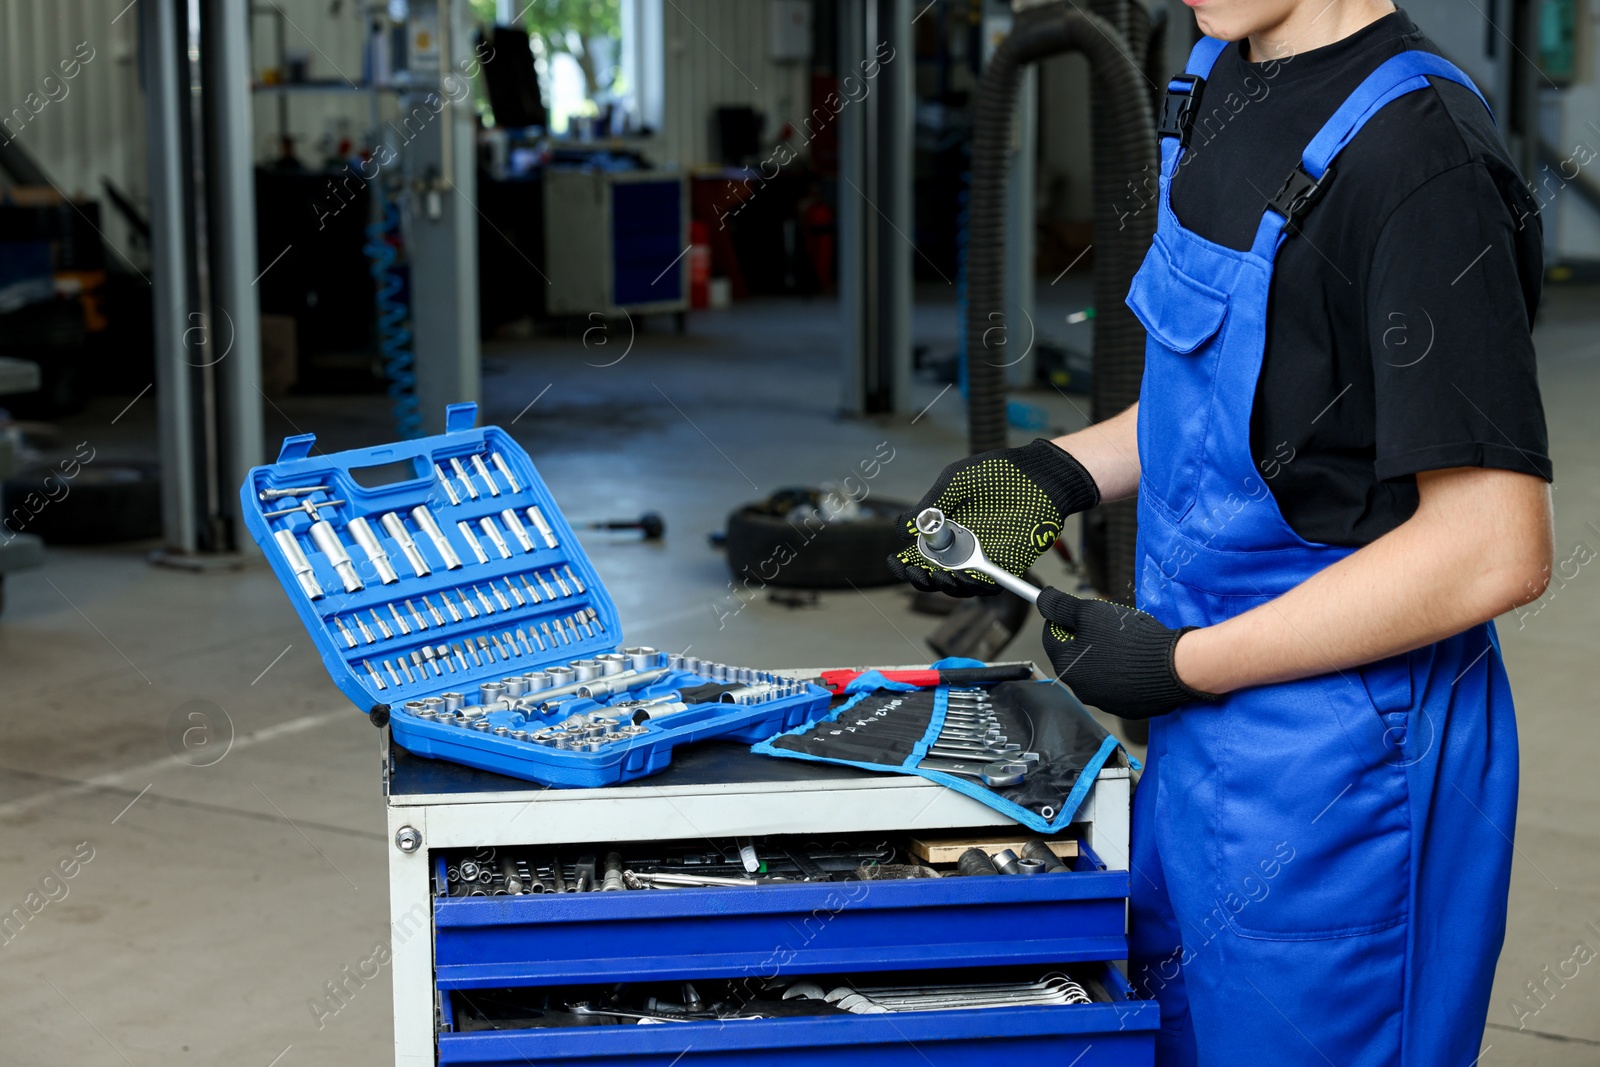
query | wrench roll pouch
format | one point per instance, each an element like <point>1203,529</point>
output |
<point>885,730</point>
<point>833,741</point>
<point>445,590</point>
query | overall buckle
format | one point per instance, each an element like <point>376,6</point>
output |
<point>1180,107</point>
<point>1298,196</point>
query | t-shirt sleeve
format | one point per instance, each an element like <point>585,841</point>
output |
<point>1449,314</point>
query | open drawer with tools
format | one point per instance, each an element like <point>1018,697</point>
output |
<point>1082,1014</point>
<point>679,910</point>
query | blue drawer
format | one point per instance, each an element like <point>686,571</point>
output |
<point>1116,1034</point>
<point>486,942</point>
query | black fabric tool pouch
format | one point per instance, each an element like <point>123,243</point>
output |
<point>909,731</point>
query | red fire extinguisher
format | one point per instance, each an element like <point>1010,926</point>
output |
<point>699,266</point>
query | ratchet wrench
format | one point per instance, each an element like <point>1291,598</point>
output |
<point>955,548</point>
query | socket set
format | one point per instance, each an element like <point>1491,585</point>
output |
<point>456,605</point>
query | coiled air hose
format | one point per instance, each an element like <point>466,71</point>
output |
<point>1125,161</point>
<point>394,333</point>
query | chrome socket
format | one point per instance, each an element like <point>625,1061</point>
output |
<point>492,532</point>
<point>612,663</point>
<point>641,657</point>
<point>328,543</point>
<point>472,540</point>
<point>536,517</point>
<point>449,490</point>
<point>396,529</point>
<point>369,544</point>
<point>483,472</point>
<point>750,694</point>
<point>463,477</point>
<point>505,469</point>
<point>303,571</point>
<point>425,522</point>
<point>519,531</point>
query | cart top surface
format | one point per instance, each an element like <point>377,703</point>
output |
<point>707,763</point>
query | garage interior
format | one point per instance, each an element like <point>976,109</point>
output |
<point>206,250</point>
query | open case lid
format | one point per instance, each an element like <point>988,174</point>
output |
<point>387,595</point>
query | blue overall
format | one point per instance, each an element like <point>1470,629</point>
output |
<point>1319,867</point>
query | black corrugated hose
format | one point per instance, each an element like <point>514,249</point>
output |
<point>1125,169</point>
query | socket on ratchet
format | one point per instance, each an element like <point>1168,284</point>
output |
<point>955,548</point>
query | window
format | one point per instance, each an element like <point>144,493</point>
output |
<point>578,54</point>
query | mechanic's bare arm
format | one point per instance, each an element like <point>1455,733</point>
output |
<point>1109,451</point>
<point>1481,543</point>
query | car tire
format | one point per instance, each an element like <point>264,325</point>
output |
<point>765,548</point>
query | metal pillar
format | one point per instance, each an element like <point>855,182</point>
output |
<point>441,217</point>
<point>160,56</point>
<point>234,247</point>
<point>876,74</point>
<point>195,59</point>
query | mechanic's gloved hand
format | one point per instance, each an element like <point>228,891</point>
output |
<point>1013,499</point>
<point>1115,657</point>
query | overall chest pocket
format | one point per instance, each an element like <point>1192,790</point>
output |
<point>1184,318</point>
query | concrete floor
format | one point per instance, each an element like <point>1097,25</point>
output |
<point>218,899</point>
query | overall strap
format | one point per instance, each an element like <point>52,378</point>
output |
<point>1204,57</point>
<point>1182,103</point>
<point>1398,76</point>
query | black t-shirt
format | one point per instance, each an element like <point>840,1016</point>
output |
<point>1398,329</point>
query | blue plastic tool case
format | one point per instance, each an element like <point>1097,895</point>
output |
<point>408,613</point>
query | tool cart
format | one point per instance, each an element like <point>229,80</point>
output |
<point>730,906</point>
<point>445,946</point>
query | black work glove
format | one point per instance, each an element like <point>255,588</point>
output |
<point>1112,656</point>
<point>1013,499</point>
